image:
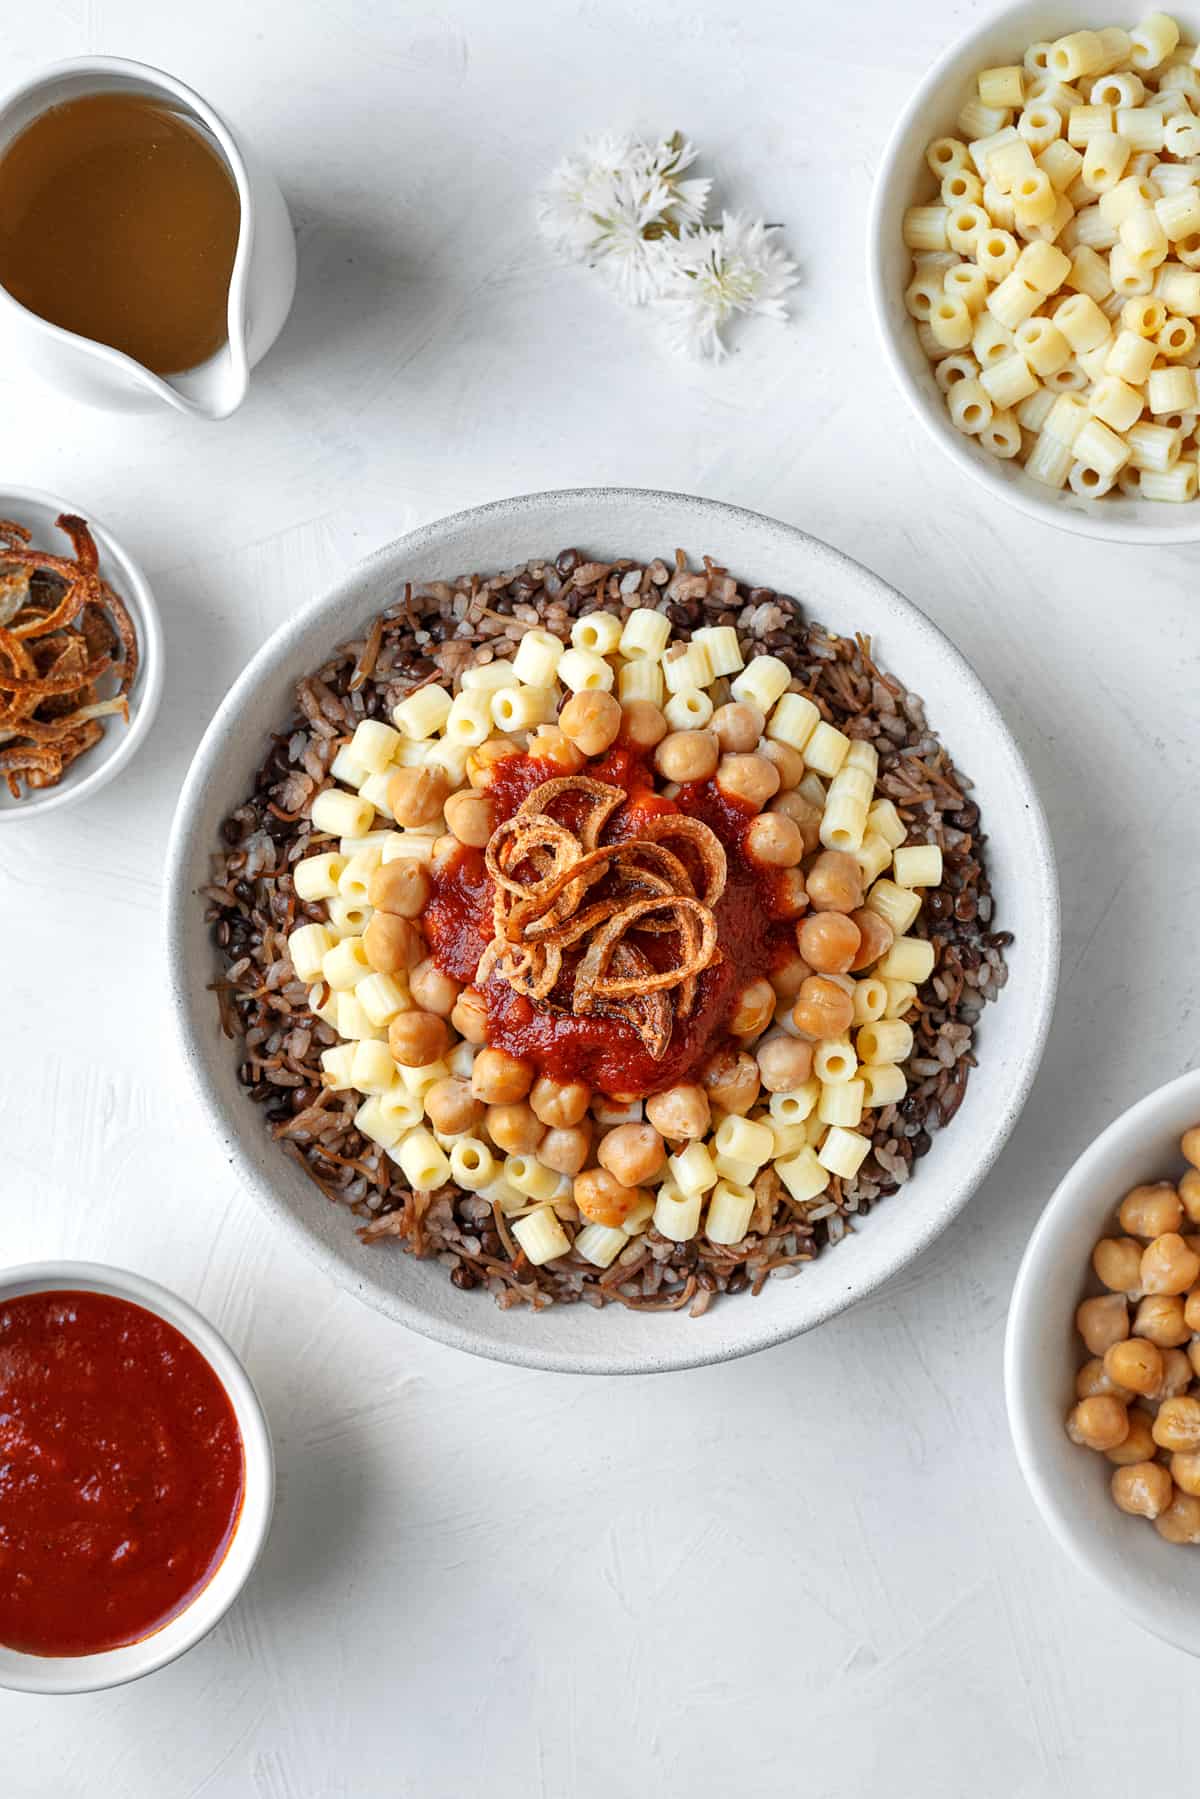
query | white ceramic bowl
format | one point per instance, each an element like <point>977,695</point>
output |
<point>120,743</point>
<point>903,179</point>
<point>835,590</point>
<point>1158,1583</point>
<point>114,1667</point>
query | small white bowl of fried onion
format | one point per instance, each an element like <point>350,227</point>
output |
<point>62,749</point>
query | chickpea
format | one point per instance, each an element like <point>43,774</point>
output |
<point>775,840</point>
<point>680,1113</point>
<point>1189,1145</point>
<point>687,756</point>
<point>1102,1322</point>
<point>631,1153</point>
<point>642,724</point>
<point>432,990</point>
<point>788,761</point>
<point>417,1038</point>
<point>500,1079</point>
<point>452,1107</point>
<point>391,944</point>
<point>1144,1489</point>
<point>591,721</point>
<point>1139,1445</point>
<point>402,886</point>
<point>470,1015</point>
<point>803,813</point>
<point>565,1148</point>
<point>1191,1310</point>
<point>1185,1472</point>
<point>1149,1211</point>
<point>1161,1318</point>
<point>790,895</point>
<point>485,758</point>
<point>754,1010</point>
<point>471,817</point>
<point>446,851</point>
<point>835,883</point>
<point>789,977</point>
<point>417,795</point>
<point>731,1080</point>
<point>829,942</point>
<point>1094,1378</point>
<point>751,779</point>
<point>783,1063</point>
<point>1136,1364</point>
<point>1099,1423</point>
<point>1193,1351</point>
<point>1168,1265</point>
<point>1189,1195</point>
<point>560,1103</point>
<point>1180,1523</point>
<point>514,1128</point>
<point>602,1199</point>
<point>822,1008</point>
<point>738,726</point>
<point>1118,1263</point>
<point>1177,1374</point>
<point>877,938</point>
<point>1177,1425</point>
<point>550,744</point>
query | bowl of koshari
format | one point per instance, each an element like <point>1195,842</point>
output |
<point>778,560</point>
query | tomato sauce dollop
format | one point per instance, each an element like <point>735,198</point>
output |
<point>121,1473</point>
<point>607,1053</point>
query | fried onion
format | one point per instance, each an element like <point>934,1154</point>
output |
<point>543,871</point>
<point>62,630</point>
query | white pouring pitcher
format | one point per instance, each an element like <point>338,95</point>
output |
<point>260,288</point>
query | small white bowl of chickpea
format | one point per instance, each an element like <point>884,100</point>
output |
<point>1102,1362</point>
<point>1119,364</point>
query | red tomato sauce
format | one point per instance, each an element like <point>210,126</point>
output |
<point>607,1053</point>
<point>121,1473</point>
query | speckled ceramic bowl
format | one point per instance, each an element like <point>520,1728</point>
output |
<point>612,522</point>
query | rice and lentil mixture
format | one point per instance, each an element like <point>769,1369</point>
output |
<point>431,635</point>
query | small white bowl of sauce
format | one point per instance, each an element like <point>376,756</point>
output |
<point>138,1477</point>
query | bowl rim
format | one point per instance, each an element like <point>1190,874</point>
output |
<point>1088,1167</point>
<point>180,895</point>
<point>55,1675</point>
<point>148,686</point>
<point>1045,511</point>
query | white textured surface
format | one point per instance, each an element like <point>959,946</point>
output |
<point>815,1571</point>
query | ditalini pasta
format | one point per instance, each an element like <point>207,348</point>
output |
<point>1060,257</point>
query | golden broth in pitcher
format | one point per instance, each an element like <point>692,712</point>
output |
<point>119,221</point>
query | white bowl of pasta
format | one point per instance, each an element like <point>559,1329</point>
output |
<point>1048,198</point>
<point>227,858</point>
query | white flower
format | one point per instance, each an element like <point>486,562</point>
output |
<point>668,160</point>
<point>718,273</point>
<point>618,204</point>
<point>579,190</point>
<point>624,207</point>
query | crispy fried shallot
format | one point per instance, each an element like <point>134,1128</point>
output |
<point>62,630</point>
<point>558,887</point>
